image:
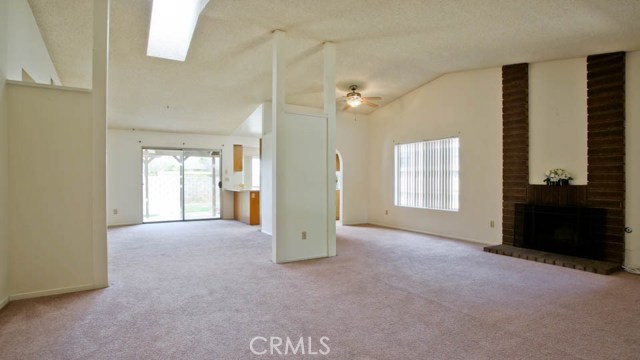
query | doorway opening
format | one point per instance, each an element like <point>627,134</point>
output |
<point>180,184</point>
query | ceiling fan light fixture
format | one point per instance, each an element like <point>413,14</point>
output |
<point>354,101</point>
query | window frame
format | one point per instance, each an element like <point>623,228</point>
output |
<point>396,177</point>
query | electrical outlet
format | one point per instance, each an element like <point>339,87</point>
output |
<point>386,212</point>
<point>492,223</point>
<point>115,211</point>
<point>304,235</point>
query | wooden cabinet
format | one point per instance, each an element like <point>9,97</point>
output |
<point>237,158</point>
<point>246,207</point>
<point>254,207</point>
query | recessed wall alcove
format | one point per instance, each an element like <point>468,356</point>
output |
<point>605,187</point>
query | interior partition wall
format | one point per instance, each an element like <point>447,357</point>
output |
<point>180,184</point>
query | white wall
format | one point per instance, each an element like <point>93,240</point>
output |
<point>248,153</point>
<point>4,162</point>
<point>470,102</point>
<point>632,170</point>
<point>266,183</point>
<point>352,141</point>
<point>465,104</point>
<point>298,190</point>
<point>124,167</point>
<point>50,172</point>
<point>558,119</point>
<point>27,50</point>
<point>302,191</point>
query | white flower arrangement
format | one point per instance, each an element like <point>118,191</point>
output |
<point>557,176</point>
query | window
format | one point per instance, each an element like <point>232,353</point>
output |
<point>255,171</point>
<point>427,174</point>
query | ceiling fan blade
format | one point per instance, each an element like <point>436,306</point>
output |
<point>346,107</point>
<point>372,98</point>
<point>370,104</point>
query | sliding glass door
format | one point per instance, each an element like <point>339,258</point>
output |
<point>162,185</point>
<point>180,184</point>
<point>201,191</point>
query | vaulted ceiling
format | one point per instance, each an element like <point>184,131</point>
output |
<point>390,47</point>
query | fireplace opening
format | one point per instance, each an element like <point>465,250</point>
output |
<point>575,231</point>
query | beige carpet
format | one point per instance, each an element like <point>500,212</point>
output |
<point>203,290</point>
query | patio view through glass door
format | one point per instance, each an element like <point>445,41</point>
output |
<point>180,184</point>
<point>201,191</point>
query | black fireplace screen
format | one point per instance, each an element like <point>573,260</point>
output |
<point>576,231</point>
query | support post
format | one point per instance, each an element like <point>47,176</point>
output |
<point>329,52</point>
<point>99,137</point>
<point>277,114</point>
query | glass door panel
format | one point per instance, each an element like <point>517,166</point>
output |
<point>162,185</point>
<point>201,177</point>
<point>217,184</point>
<point>181,184</point>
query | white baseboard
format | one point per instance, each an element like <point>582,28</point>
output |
<point>58,291</point>
<point>123,224</point>
<point>314,257</point>
<point>475,241</point>
<point>4,302</point>
<point>354,223</point>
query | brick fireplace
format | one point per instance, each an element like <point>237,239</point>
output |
<point>605,104</point>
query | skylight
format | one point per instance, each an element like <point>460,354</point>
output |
<point>172,26</point>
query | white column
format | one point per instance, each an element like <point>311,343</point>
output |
<point>4,157</point>
<point>99,129</point>
<point>277,113</point>
<point>329,52</point>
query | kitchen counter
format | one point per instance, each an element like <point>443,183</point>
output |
<point>246,205</point>
<point>239,189</point>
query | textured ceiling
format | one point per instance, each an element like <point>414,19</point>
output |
<point>389,46</point>
<point>67,27</point>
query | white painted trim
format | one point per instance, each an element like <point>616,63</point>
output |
<point>322,256</point>
<point>4,302</point>
<point>65,290</point>
<point>449,237</point>
<point>358,223</point>
<point>47,86</point>
<point>122,224</point>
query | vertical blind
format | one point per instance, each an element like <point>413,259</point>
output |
<point>427,174</point>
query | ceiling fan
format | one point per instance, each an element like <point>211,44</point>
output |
<point>354,99</point>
